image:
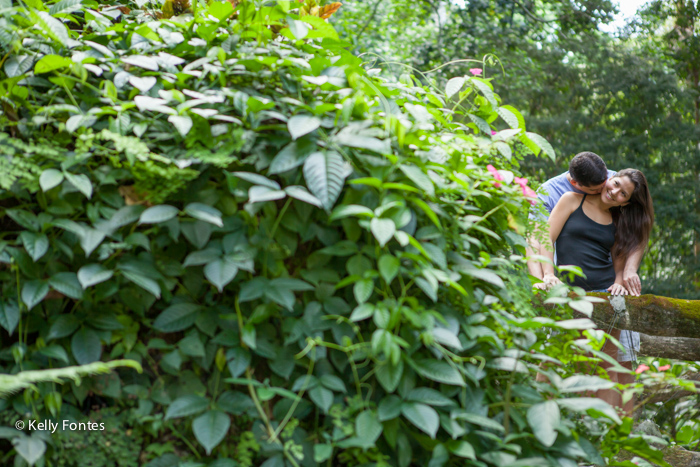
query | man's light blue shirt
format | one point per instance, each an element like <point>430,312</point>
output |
<point>553,189</point>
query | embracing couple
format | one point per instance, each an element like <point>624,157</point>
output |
<point>600,220</point>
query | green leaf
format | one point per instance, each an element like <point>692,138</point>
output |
<point>347,210</point>
<point>220,272</point>
<point>177,317</point>
<point>33,292</point>
<point>581,383</point>
<point>362,312</point>
<point>418,177</point>
<point>86,346</point>
<point>429,396</point>
<point>504,149</point>
<point>183,124</point>
<point>462,449</point>
<point>186,405</point>
<point>422,416</point>
<point>197,233</point>
<point>90,239</point>
<point>542,144</point>
<point>204,213</point>
<point>510,118</point>
<point>481,124</point>
<point>483,274</point>
<point>36,244</point>
<point>363,290</point>
<point>9,316</point>
<point>50,63</point>
<point>142,61</point>
<point>238,360</point>
<point>65,6</point>
<point>454,85</point>
<point>582,306</point>
<point>389,408</point>
<point>322,397</point>
<point>50,178</point>
<point>26,219</point>
<point>333,383</point>
<point>260,194</point>
<point>300,125</point>
<point>67,283</point>
<point>382,229</point>
<point>211,428</point>
<point>30,448</point>
<point>55,351</point>
<point>291,156</point>
<point>325,174</point>
<point>299,29</point>
<point>507,364</point>
<point>368,428</point>
<point>64,326</point>
<point>302,194</point>
<point>389,375</point>
<point>439,371</point>
<point>146,283</point>
<point>92,274</point>
<point>54,28</point>
<point>584,404</point>
<point>158,214</point>
<point>322,452</point>
<point>485,89</point>
<point>480,420</point>
<point>544,419</point>
<point>257,179</point>
<point>389,267</point>
<point>81,182</point>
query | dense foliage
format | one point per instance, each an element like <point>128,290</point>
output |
<point>313,264</point>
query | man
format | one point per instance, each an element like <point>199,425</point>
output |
<point>587,174</point>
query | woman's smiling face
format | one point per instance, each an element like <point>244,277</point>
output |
<point>617,191</point>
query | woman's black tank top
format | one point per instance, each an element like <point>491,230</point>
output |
<point>587,244</point>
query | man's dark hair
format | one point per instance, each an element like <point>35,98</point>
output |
<point>588,169</point>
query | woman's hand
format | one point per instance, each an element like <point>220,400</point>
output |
<point>551,280</point>
<point>617,289</point>
<point>548,281</point>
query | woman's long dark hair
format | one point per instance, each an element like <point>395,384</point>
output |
<point>634,221</point>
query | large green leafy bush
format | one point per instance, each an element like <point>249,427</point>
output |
<point>312,263</point>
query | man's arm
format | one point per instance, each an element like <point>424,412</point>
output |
<point>630,279</point>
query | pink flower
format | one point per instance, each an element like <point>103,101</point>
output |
<point>475,71</point>
<point>664,368</point>
<point>530,193</point>
<point>495,174</point>
<point>527,191</point>
<point>641,369</point>
<point>493,132</point>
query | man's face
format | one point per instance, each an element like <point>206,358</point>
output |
<point>591,190</point>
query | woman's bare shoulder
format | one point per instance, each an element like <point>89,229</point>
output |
<point>571,197</point>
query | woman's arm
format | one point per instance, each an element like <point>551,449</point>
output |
<point>568,203</point>
<point>618,288</point>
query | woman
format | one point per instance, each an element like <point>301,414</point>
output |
<point>598,233</point>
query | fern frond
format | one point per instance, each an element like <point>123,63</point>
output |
<point>12,383</point>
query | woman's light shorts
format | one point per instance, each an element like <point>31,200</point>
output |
<point>630,342</point>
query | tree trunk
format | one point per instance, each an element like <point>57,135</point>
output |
<point>649,314</point>
<point>675,348</point>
